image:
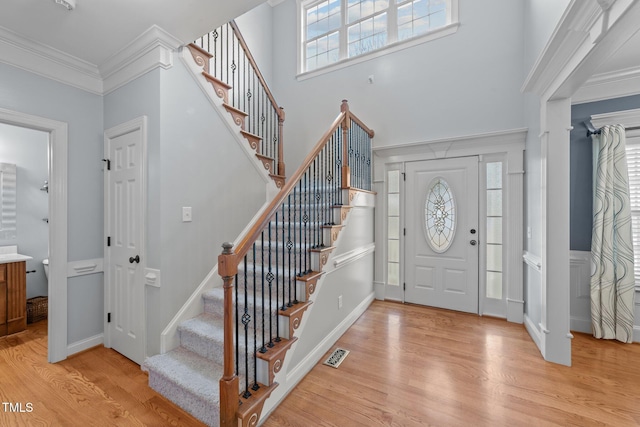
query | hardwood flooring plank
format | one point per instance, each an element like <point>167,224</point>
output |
<point>417,366</point>
<point>98,387</point>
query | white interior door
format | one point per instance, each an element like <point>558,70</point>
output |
<point>125,230</point>
<point>442,243</point>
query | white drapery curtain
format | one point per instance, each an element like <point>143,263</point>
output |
<point>612,278</point>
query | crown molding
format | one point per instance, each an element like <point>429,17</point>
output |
<point>609,86</point>
<point>588,31</point>
<point>566,40</point>
<point>48,62</point>
<point>484,143</point>
<point>274,3</point>
<point>627,118</point>
<point>152,49</point>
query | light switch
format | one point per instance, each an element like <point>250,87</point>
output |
<point>186,214</point>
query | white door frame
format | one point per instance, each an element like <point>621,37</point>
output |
<point>139,123</point>
<point>508,144</point>
<point>58,149</point>
<point>586,36</point>
<point>470,165</point>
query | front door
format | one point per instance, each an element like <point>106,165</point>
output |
<point>442,242</point>
<point>124,228</point>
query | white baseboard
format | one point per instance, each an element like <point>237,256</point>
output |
<point>582,325</point>
<point>636,334</point>
<point>85,344</point>
<point>534,332</point>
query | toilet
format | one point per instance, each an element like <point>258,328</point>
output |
<point>45,263</point>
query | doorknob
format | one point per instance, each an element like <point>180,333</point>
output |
<point>136,259</point>
<point>473,242</point>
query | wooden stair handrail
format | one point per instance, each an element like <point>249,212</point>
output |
<point>254,64</point>
<point>228,262</point>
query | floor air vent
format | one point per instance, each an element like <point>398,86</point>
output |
<point>336,358</point>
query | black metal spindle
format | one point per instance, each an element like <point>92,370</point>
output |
<point>277,338</point>
<point>263,349</point>
<point>270,278</point>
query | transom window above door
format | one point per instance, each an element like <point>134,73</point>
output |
<point>339,30</point>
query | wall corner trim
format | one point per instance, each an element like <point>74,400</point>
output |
<point>152,49</point>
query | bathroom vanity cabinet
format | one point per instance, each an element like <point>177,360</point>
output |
<point>13,297</point>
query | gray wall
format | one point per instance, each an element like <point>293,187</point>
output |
<point>256,27</point>
<point>193,160</point>
<point>28,150</point>
<point>461,84</point>
<point>581,166</point>
<point>26,92</point>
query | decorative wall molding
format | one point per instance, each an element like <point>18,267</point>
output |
<point>354,255</point>
<point>466,145</point>
<point>609,86</point>
<point>48,62</point>
<point>563,44</point>
<point>152,277</point>
<point>152,49</point>
<point>627,118</point>
<point>532,260</point>
<point>87,266</point>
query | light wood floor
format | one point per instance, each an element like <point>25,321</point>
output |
<point>408,366</point>
<point>98,387</point>
<point>417,366</point>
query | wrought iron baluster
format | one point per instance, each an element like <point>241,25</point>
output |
<point>305,218</point>
<point>270,278</point>
<point>277,339</point>
<point>289,247</point>
<point>255,314</point>
<point>263,349</point>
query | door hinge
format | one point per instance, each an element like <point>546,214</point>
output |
<point>108,163</point>
<point>404,231</point>
<point>108,317</point>
<point>404,286</point>
<point>404,176</point>
<point>108,240</point>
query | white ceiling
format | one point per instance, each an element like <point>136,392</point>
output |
<point>98,29</point>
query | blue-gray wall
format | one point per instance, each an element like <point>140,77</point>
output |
<point>32,94</point>
<point>581,165</point>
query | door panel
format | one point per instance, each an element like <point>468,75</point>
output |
<point>441,209</point>
<point>124,226</point>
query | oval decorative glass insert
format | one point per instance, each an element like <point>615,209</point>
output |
<point>439,215</point>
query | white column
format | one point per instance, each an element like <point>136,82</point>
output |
<point>515,218</point>
<point>556,123</point>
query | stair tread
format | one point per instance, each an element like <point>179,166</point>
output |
<point>190,371</point>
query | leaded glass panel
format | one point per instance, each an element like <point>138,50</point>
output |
<point>440,215</point>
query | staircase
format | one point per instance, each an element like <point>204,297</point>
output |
<point>230,355</point>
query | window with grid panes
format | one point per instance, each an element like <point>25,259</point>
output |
<point>633,165</point>
<point>334,30</point>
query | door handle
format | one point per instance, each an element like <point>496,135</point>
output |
<point>473,243</point>
<point>136,259</point>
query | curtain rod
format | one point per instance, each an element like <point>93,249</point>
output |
<point>593,131</point>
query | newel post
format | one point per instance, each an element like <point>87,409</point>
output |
<point>346,171</point>
<point>281,142</point>
<point>227,268</point>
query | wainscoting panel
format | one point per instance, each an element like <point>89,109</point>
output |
<point>580,293</point>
